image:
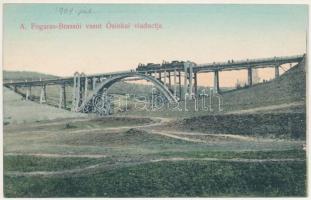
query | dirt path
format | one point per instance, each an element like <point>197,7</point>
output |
<point>230,159</point>
<point>267,108</point>
<point>153,128</point>
<point>118,165</point>
<point>57,155</point>
<point>177,137</point>
<point>181,135</point>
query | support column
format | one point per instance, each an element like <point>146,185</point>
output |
<point>216,82</point>
<point>62,96</point>
<point>179,83</point>
<point>27,93</point>
<point>165,76</point>
<point>80,89</point>
<point>250,76</point>
<point>277,71</point>
<point>94,83</point>
<point>85,88</point>
<point>190,79</point>
<point>195,77</point>
<point>74,88</point>
<point>43,94</point>
<point>76,92</point>
<point>169,80</point>
<point>60,101</point>
<point>185,80</point>
<point>175,83</point>
<point>160,76</point>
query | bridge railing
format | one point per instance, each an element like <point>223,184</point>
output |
<point>254,60</point>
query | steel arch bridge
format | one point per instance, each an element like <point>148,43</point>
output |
<point>106,84</point>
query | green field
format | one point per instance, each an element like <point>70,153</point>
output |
<point>54,161</point>
<point>173,179</point>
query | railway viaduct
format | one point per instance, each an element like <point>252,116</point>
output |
<point>175,81</point>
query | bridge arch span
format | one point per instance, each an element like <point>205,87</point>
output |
<point>106,84</point>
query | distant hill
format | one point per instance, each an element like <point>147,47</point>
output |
<point>25,75</point>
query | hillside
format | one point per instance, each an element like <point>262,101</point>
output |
<point>290,87</point>
<point>275,109</point>
<point>25,75</point>
<point>16,110</point>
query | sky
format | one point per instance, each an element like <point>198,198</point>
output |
<point>199,33</point>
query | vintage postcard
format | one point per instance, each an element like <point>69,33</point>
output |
<point>154,100</point>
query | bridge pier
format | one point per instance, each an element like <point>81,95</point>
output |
<point>165,76</point>
<point>175,82</point>
<point>169,80</point>
<point>28,92</point>
<point>190,80</point>
<point>185,80</point>
<point>62,96</point>
<point>85,88</point>
<point>94,80</point>
<point>43,94</point>
<point>276,71</point>
<point>179,83</point>
<point>195,78</point>
<point>76,92</point>
<point>216,81</point>
<point>250,76</point>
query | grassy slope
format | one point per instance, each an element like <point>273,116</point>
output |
<point>290,123</point>
<point>171,179</point>
<point>18,111</point>
<point>289,87</point>
<point>30,163</point>
<point>281,125</point>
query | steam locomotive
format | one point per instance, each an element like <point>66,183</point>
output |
<point>165,65</point>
